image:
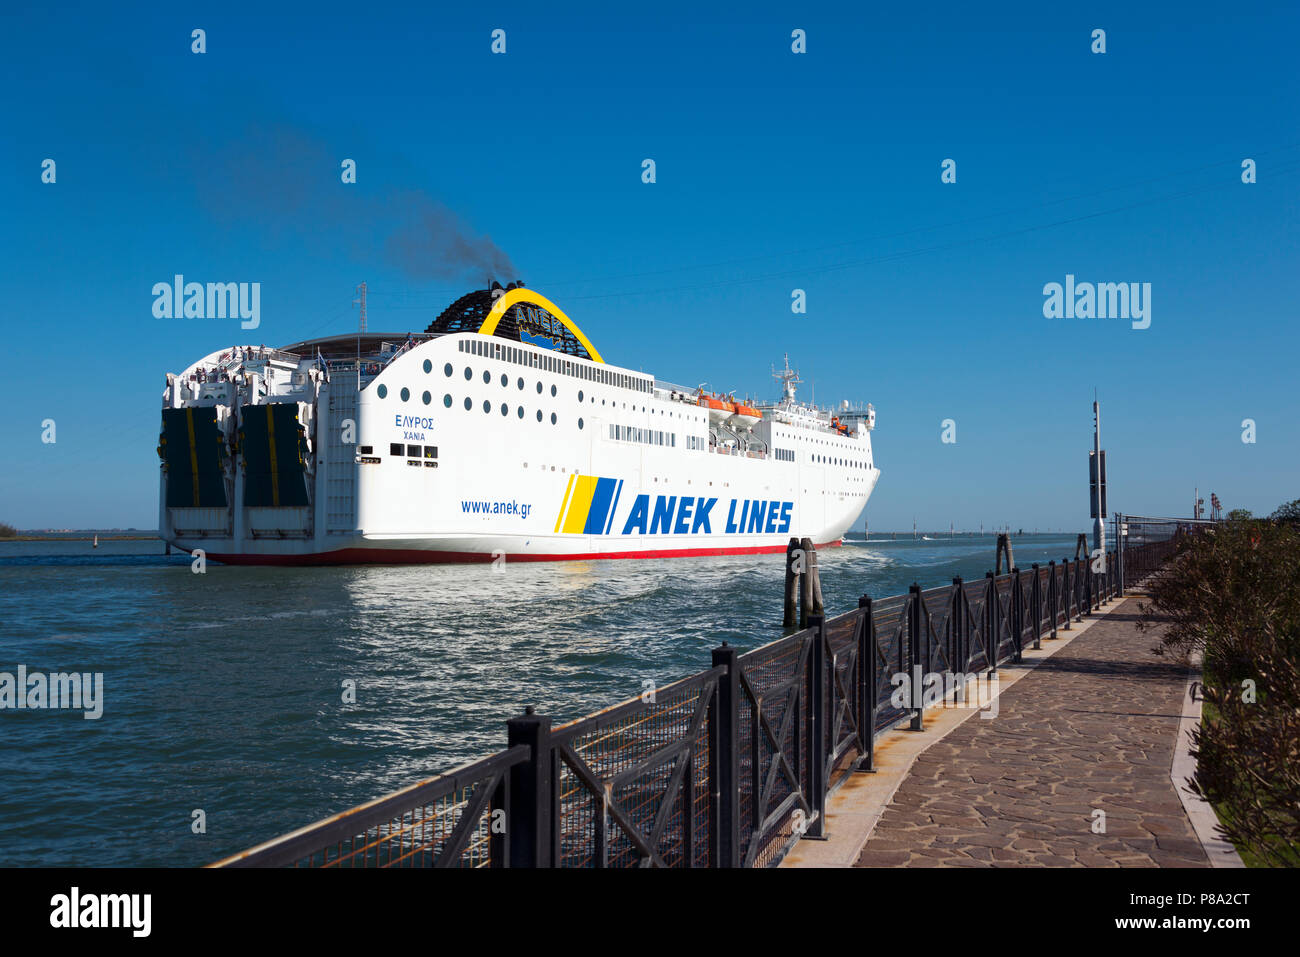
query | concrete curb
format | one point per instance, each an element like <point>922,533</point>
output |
<point>854,809</point>
<point>1199,811</point>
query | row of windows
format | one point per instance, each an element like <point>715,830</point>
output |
<point>697,442</point>
<point>831,460</point>
<point>412,451</point>
<point>560,365</point>
<point>783,455</point>
<point>504,409</point>
<point>626,433</point>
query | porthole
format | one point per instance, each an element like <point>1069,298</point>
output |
<point>580,423</point>
<point>487,377</point>
<point>552,418</point>
<point>505,409</point>
<point>521,415</point>
<point>539,388</point>
<point>539,415</point>
<point>406,393</point>
<point>428,366</point>
<point>469,373</point>
<point>469,403</point>
<point>505,380</point>
<point>521,382</point>
<point>579,395</point>
<point>382,391</point>
<point>552,391</point>
<point>446,401</point>
<point>487,406</point>
<point>447,370</point>
<point>427,398</point>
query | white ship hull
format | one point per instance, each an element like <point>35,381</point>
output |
<point>500,451</point>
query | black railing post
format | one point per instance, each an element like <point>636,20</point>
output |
<point>1119,549</point>
<point>1036,599</point>
<point>817,729</point>
<point>959,651</point>
<point>724,761</point>
<point>867,684</point>
<point>531,793</point>
<point>1080,589</point>
<point>1017,616</point>
<point>1066,590</point>
<point>915,674</point>
<point>993,619</point>
<point>1089,588</point>
<point>1053,593</point>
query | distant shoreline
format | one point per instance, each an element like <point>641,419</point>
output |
<point>80,538</point>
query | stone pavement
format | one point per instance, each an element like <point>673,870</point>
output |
<point>1092,727</point>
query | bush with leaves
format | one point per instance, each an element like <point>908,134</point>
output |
<point>1233,593</point>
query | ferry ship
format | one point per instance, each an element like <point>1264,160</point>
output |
<point>500,433</point>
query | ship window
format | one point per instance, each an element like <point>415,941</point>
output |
<point>382,390</point>
<point>487,406</point>
<point>579,395</point>
<point>539,415</point>
<point>469,373</point>
<point>395,448</point>
<point>520,383</point>
<point>431,451</point>
<point>539,388</point>
<point>446,400</point>
<point>366,450</point>
<point>487,377</point>
<point>552,418</point>
<point>505,380</point>
<point>428,366</point>
<point>505,409</point>
<point>552,391</point>
<point>414,451</point>
<point>406,393</point>
<point>427,398</point>
<point>521,412</point>
<point>580,423</point>
<point>468,403</point>
<point>447,369</point>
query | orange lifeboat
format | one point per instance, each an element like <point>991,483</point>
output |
<point>746,415</point>
<point>719,411</point>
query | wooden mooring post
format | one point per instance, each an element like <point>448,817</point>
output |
<point>803,578</point>
<point>1004,547</point>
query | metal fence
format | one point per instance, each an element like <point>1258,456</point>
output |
<point>727,768</point>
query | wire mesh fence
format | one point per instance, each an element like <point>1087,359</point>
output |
<point>732,766</point>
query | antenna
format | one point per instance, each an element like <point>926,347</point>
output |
<point>361,300</point>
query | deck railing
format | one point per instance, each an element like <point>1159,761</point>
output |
<point>729,767</point>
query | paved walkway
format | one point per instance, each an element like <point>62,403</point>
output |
<point>1092,727</point>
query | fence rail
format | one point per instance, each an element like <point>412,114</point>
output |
<point>729,767</point>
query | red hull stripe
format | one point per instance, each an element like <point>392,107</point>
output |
<point>420,556</point>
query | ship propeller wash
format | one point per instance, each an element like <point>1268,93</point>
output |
<point>499,431</point>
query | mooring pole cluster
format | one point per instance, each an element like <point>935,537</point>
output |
<point>802,579</point>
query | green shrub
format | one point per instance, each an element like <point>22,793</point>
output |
<point>1233,593</point>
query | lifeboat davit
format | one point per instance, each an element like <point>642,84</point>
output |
<point>746,416</point>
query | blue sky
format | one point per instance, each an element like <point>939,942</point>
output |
<point>775,171</point>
